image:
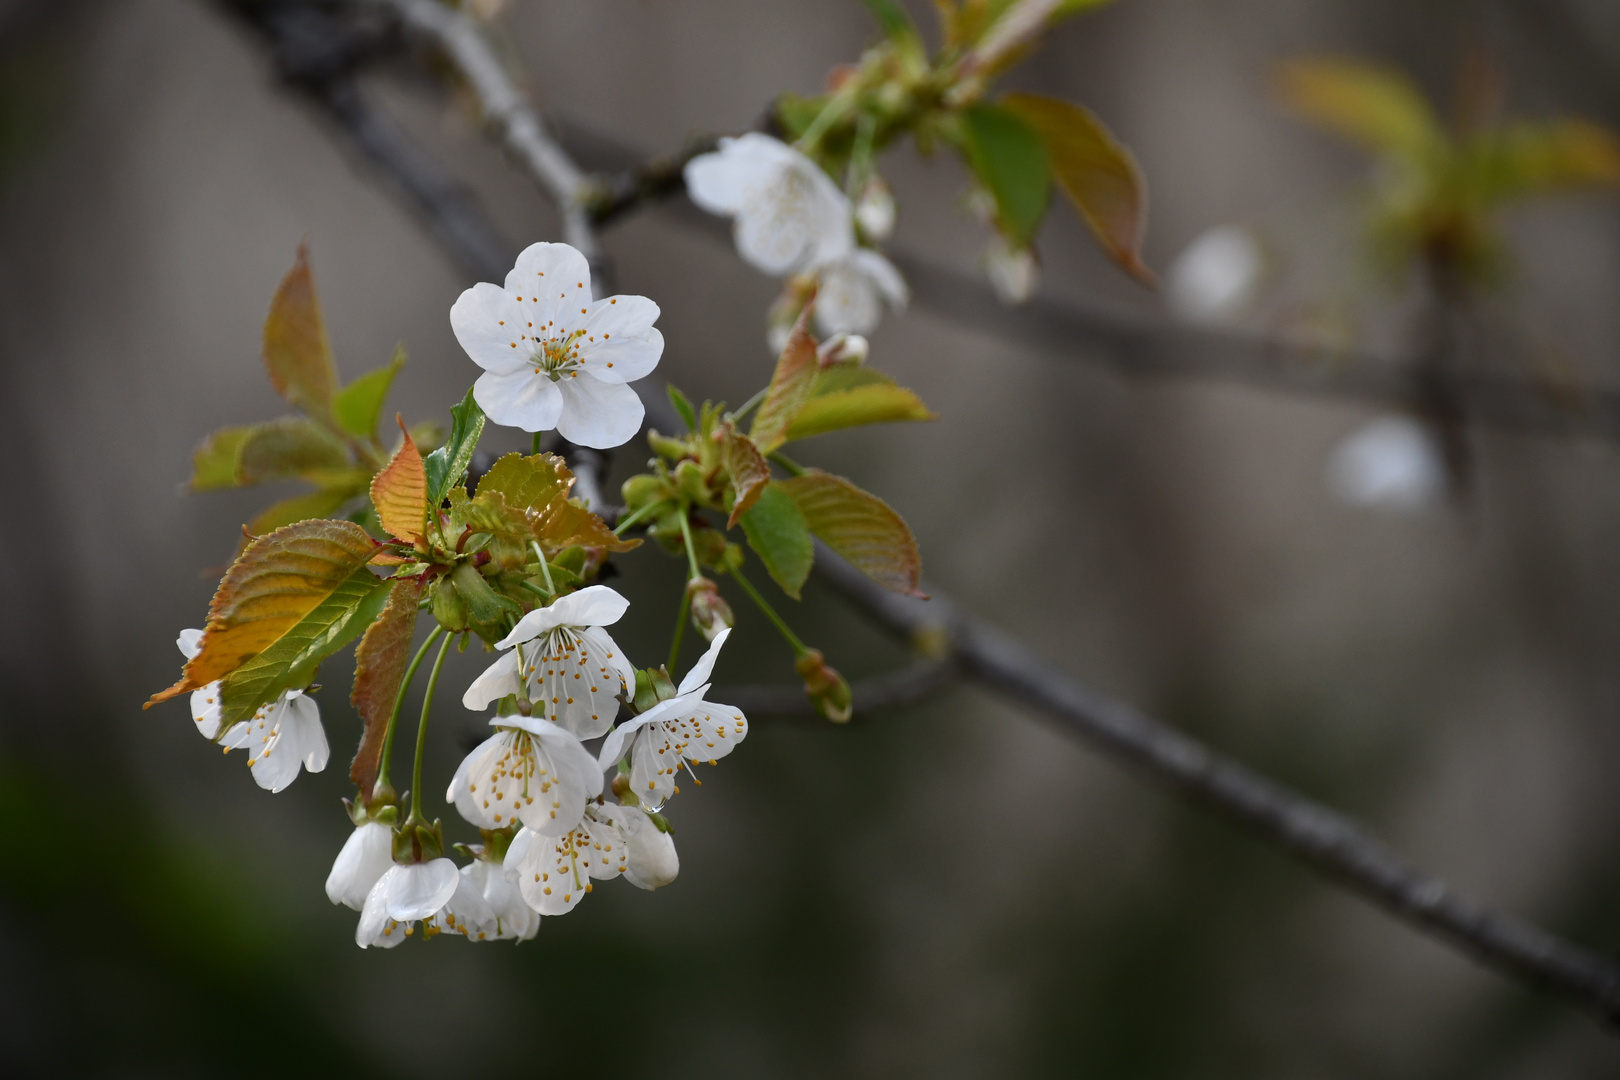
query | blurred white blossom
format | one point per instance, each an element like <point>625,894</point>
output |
<point>1013,272</point>
<point>552,356</point>
<point>1216,276</point>
<point>1391,463</point>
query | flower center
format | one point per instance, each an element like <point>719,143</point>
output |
<point>558,356</point>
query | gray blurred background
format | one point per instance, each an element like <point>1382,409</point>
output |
<point>948,890</point>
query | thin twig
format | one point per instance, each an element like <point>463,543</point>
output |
<point>910,685</point>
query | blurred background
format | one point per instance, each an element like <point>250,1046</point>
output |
<point>952,889</point>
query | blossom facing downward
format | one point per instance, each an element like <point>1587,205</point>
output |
<point>406,894</point>
<point>790,218</point>
<point>682,729</point>
<point>652,862</point>
<point>552,356</point>
<point>281,736</point>
<point>555,872</point>
<point>365,858</point>
<point>564,662</point>
<point>530,771</point>
<point>510,917</point>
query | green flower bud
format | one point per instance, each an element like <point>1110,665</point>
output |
<point>449,609</point>
<point>710,612</point>
<point>690,483</point>
<point>643,490</point>
<point>828,690</point>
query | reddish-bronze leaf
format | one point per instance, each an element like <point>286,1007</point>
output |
<point>296,352</point>
<point>379,669</point>
<point>747,466</point>
<point>399,492</point>
<point>790,387</point>
<point>277,580</point>
<point>861,527</point>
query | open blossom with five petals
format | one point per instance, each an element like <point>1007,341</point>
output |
<point>792,219</point>
<point>404,895</point>
<point>555,872</point>
<point>682,729</point>
<point>531,771</point>
<point>282,734</point>
<point>366,856</point>
<point>552,356</point>
<point>564,662</point>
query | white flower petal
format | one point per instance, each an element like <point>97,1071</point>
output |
<point>489,325</point>
<point>301,726</point>
<point>621,343</point>
<point>652,863</point>
<point>594,605</point>
<point>418,890</point>
<point>573,679</point>
<point>365,857</point>
<point>519,399</point>
<point>554,278</point>
<point>466,912</point>
<point>720,182</point>
<point>205,709</point>
<point>190,642</point>
<point>514,918</point>
<point>598,414</point>
<point>705,666</point>
<point>497,681</point>
<point>374,913</point>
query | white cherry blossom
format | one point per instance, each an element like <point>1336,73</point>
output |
<point>403,896</point>
<point>1216,276</point>
<point>281,736</point>
<point>365,858</point>
<point>792,219</point>
<point>555,872</point>
<point>510,918</point>
<point>531,771</point>
<point>564,662</point>
<point>1392,463</point>
<point>552,356</point>
<point>652,862</point>
<point>466,912</point>
<point>682,729</point>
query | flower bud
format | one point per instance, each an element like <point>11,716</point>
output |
<point>710,612</point>
<point>652,686</point>
<point>828,690</point>
<point>644,490</point>
<point>674,449</point>
<point>843,349</point>
<point>1013,271</point>
<point>449,609</point>
<point>689,481</point>
<point>875,210</point>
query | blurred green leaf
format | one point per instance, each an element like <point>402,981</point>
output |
<point>1098,174</point>
<point>446,465</point>
<point>839,401</point>
<point>683,405</point>
<point>1010,160</point>
<point>315,504</point>
<point>290,448</point>
<point>358,406</point>
<point>777,531</point>
<point>893,18</point>
<point>1535,158</point>
<point>296,352</point>
<point>859,526</point>
<point>216,463</point>
<point>1378,107</point>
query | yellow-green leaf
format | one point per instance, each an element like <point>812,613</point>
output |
<point>861,527</point>
<point>535,489</point>
<point>216,463</point>
<point>747,467</point>
<point>399,492</point>
<point>379,669</point>
<point>790,387</point>
<point>1378,107</point>
<point>1533,158</point>
<point>290,448</point>
<point>1098,174</point>
<point>1010,160</point>
<point>777,531</point>
<point>315,504</point>
<point>277,581</point>
<point>836,403</point>
<point>358,406</point>
<point>296,352</point>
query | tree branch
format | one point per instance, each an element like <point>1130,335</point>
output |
<point>909,685</point>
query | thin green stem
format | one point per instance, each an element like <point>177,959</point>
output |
<point>680,631</point>
<point>788,463</point>
<point>799,647</point>
<point>399,702</point>
<point>860,158</point>
<point>749,405</point>
<point>691,552</point>
<point>545,567</point>
<point>640,515</point>
<point>421,735</point>
<point>535,446</point>
<point>829,115</point>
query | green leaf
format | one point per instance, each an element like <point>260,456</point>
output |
<point>379,669</point>
<point>839,401</point>
<point>446,465</point>
<point>290,663</point>
<point>1098,174</point>
<point>1010,160</point>
<point>1003,32</point>
<point>216,463</point>
<point>1378,107</point>
<point>1535,158</point>
<point>358,406</point>
<point>683,405</point>
<point>747,468</point>
<point>777,531</point>
<point>296,352</point>
<point>527,497</point>
<point>315,504</point>
<point>893,18</point>
<point>275,583</point>
<point>290,448</point>
<point>861,527</point>
<point>790,387</point>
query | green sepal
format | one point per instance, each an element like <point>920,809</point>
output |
<point>683,405</point>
